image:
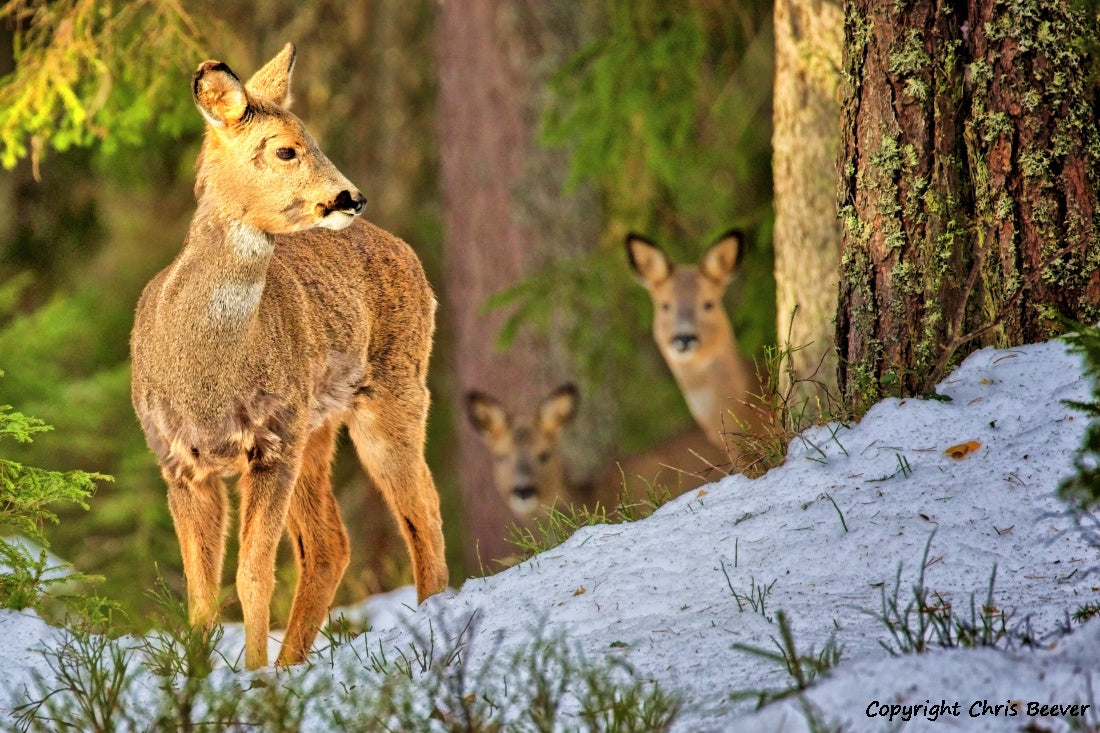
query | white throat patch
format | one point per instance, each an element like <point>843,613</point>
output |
<point>248,241</point>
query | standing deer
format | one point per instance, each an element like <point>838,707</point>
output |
<point>530,474</point>
<point>695,337</point>
<point>283,317</point>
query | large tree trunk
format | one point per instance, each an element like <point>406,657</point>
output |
<point>809,36</point>
<point>969,188</point>
<point>504,217</point>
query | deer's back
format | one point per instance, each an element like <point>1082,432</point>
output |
<point>364,290</point>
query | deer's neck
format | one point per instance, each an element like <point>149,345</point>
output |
<point>717,386</point>
<point>219,276</point>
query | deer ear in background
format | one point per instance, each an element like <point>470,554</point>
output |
<point>557,409</point>
<point>650,264</point>
<point>487,415</point>
<point>721,261</point>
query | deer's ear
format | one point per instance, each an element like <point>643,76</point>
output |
<point>557,409</point>
<point>651,266</point>
<point>272,81</point>
<point>721,260</point>
<point>488,416</point>
<point>219,95</point>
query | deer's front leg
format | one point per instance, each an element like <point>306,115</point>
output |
<point>199,514</point>
<point>265,496</point>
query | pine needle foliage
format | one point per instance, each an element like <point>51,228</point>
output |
<point>65,363</point>
<point>664,111</point>
<point>653,51</point>
<point>27,493</point>
<point>28,496</point>
<point>1083,487</point>
<point>93,72</point>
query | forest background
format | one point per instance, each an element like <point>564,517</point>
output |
<point>616,116</point>
<point>945,155</point>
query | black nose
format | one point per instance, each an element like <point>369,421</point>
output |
<point>683,342</point>
<point>524,492</point>
<point>348,201</point>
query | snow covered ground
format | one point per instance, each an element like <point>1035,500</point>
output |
<point>826,534</point>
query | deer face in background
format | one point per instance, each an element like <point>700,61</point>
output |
<point>290,185</point>
<point>721,385</point>
<point>689,321</point>
<point>527,465</point>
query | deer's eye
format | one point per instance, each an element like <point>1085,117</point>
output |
<point>285,153</point>
<point>666,306</point>
<point>544,456</point>
<point>708,305</point>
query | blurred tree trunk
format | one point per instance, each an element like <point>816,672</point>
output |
<point>809,36</point>
<point>504,217</point>
<point>969,185</point>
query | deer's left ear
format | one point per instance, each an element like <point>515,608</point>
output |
<point>721,260</point>
<point>272,81</point>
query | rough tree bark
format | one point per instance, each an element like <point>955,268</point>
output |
<point>969,188</point>
<point>809,36</point>
<point>504,216</point>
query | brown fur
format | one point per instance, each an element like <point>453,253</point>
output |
<point>282,318</point>
<point>530,475</point>
<point>694,335</point>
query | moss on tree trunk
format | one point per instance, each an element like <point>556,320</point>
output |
<point>969,185</point>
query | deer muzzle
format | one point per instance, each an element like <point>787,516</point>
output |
<point>525,492</point>
<point>683,343</point>
<point>347,202</point>
<point>339,212</point>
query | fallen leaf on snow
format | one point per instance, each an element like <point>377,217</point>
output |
<point>962,450</point>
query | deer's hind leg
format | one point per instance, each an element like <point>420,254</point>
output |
<point>319,542</point>
<point>388,430</point>
<point>200,517</point>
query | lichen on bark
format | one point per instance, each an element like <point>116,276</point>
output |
<point>970,186</point>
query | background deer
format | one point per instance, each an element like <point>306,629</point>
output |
<point>283,317</point>
<point>527,465</point>
<point>695,337</point>
<point>530,474</point>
